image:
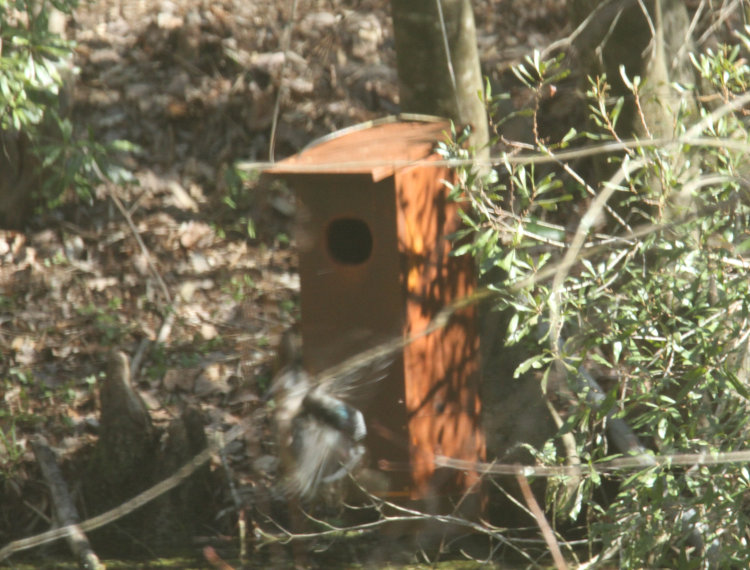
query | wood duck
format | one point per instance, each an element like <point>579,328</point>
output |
<point>319,435</point>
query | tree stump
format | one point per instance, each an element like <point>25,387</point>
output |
<point>131,456</point>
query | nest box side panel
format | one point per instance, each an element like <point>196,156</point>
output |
<point>442,367</point>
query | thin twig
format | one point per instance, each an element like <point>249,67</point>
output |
<point>149,258</point>
<point>626,463</point>
<point>286,42</point>
<point>690,139</point>
<point>448,59</point>
<point>547,533</point>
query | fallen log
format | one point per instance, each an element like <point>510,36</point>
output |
<point>65,511</point>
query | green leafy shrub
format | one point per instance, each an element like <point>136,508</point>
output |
<point>650,287</point>
<point>42,155</point>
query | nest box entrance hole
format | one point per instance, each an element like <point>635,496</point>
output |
<point>349,241</point>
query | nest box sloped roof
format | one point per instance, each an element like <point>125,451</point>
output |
<point>377,148</point>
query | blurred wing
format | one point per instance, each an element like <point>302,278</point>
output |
<point>361,370</point>
<point>321,455</point>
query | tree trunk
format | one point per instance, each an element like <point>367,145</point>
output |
<point>652,44</point>
<point>432,81</point>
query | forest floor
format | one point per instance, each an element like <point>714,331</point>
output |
<point>214,284</point>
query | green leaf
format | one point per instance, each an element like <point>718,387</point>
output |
<point>534,362</point>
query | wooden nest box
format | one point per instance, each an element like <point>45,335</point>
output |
<point>375,265</point>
